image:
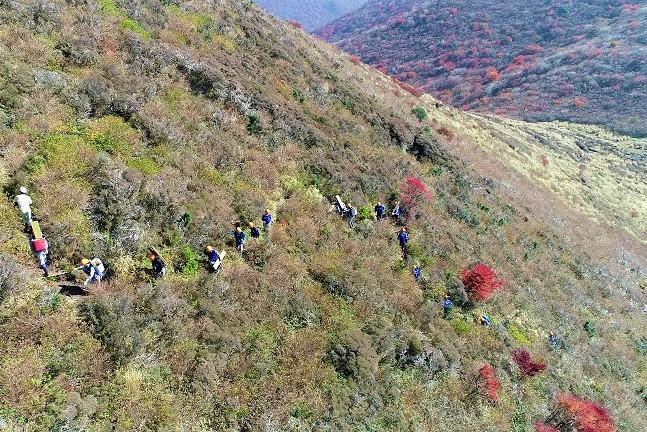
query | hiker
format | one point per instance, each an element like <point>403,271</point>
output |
<point>553,341</point>
<point>380,211</point>
<point>339,206</point>
<point>417,272</point>
<point>448,305</point>
<point>352,214</point>
<point>41,249</point>
<point>24,202</point>
<point>94,269</point>
<point>240,238</point>
<point>485,320</point>
<point>214,258</point>
<point>254,232</point>
<point>267,219</point>
<point>157,264</point>
<point>403,238</point>
<point>395,214</point>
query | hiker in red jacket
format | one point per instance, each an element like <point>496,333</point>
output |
<point>41,249</point>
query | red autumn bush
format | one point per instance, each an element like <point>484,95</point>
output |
<point>576,413</point>
<point>543,427</point>
<point>524,361</point>
<point>481,282</point>
<point>414,194</point>
<point>492,74</point>
<point>354,59</point>
<point>487,384</point>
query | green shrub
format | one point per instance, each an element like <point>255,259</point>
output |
<point>462,325</point>
<point>365,213</point>
<point>108,7</point>
<point>112,135</point>
<point>298,96</point>
<point>189,265</point>
<point>517,334</point>
<point>253,124</point>
<point>144,165</point>
<point>133,26</point>
<point>420,113</point>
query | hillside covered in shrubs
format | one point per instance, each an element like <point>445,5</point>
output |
<point>582,61</point>
<point>312,14</point>
<point>140,123</point>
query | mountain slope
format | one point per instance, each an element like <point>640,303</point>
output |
<point>137,124</point>
<point>311,13</point>
<point>581,61</point>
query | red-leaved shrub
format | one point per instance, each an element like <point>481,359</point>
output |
<point>354,59</point>
<point>574,412</point>
<point>481,282</point>
<point>414,194</point>
<point>586,415</point>
<point>487,383</point>
<point>527,367</point>
<point>543,427</point>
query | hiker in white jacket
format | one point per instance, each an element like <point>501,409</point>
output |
<point>24,202</point>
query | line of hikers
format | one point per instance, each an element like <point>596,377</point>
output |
<point>95,269</point>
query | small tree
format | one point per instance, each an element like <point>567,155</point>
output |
<point>524,361</point>
<point>420,113</point>
<point>481,282</point>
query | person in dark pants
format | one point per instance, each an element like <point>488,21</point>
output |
<point>380,211</point>
<point>352,214</point>
<point>403,238</point>
<point>214,258</point>
<point>239,239</point>
<point>267,219</point>
<point>158,265</point>
<point>417,272</point>
<point>253,231</point>
<point>448,305</point>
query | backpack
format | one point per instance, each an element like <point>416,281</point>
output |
<point>98,266</point>
<point>40,245</point>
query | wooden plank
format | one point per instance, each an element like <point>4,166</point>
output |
<point>35,229</point>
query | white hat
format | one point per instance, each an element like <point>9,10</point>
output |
<point>23,190</point>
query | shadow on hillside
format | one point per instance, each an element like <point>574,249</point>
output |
<point>72,290</point>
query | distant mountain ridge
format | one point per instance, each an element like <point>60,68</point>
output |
<point>311,13</point>
<point>577,61</point>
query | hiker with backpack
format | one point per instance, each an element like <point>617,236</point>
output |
<point>157,264</point>
<point>267,219</point>
<point>23,201</point>
<point>395,214</point>
<point>351,214</point>
<point>214,258</point>
<point>94,269</point>
<point>380,211</point>
<point>41,249</point>
<point>403,238</point>
<point>240,238</point>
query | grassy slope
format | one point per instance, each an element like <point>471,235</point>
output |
<point>160,126</point>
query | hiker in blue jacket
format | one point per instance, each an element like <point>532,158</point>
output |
<point>380,211</point>
<point>214,258</point>
<point>403,238</point>
<point>240,238</point>
<point>417,272</point>
<point>267,219</point>
<point>448,305</point>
